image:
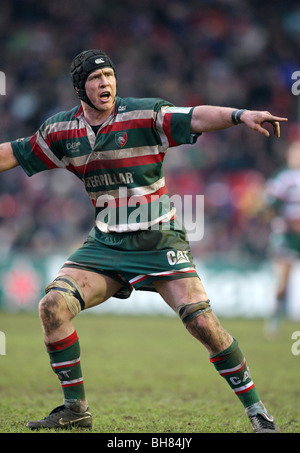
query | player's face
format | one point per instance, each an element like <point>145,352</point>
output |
<point>101,88</point>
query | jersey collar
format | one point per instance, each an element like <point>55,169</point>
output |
<point>79,113</point>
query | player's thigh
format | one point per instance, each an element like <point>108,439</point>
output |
<point>96,288</point>
<point>181,291</point>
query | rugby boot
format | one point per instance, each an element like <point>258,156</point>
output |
<point>263,423</point>
<point>63,417</point>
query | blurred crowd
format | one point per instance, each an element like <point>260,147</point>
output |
<point>238,53</point>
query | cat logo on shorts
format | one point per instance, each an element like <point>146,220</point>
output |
<point>177,257</point>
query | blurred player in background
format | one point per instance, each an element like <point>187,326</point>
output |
<point>116,147</point>
<point>283,208</point>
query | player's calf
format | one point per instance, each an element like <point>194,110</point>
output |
<point>203,324</point>
<point>228,359</point>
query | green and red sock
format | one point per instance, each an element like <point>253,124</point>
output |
<point>231,365</point>
<point>65,362</point>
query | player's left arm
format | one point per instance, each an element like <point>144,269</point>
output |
<point>207,118</point>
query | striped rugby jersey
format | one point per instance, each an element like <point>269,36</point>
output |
<point>120,166</point>
<point>283,192</point>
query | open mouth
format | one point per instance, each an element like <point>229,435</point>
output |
<point>105,96</point>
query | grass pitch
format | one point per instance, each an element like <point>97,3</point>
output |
<point>147,375</point>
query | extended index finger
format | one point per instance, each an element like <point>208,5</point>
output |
<point>272,118</point>
<point>275,121</point>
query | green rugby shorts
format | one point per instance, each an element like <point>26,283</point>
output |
<point>285,245</point>
<point>136,259</point>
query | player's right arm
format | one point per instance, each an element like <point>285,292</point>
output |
<point>7,157</point>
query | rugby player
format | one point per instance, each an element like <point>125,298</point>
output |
<point>282,209</point>
<point>116,147</point>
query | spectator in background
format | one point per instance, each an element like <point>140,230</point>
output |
<point>283,210</point>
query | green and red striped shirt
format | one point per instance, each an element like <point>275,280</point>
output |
<point>120,166</point>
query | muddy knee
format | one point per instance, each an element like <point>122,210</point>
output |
<point>51,312</point>
<point>201,322</point>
